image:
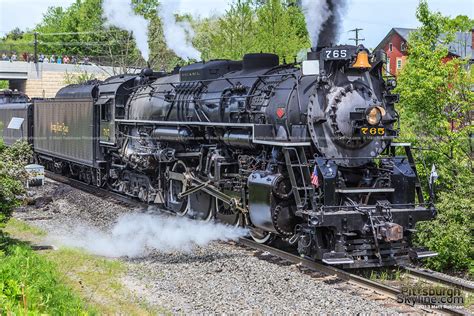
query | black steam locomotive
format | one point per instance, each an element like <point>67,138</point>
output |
<point>301,152</point>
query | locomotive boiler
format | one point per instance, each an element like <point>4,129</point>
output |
<point>300,152</point>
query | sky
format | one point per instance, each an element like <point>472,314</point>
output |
<point>375,17</point>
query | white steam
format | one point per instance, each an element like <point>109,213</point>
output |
<point>120,14</point>
<point>316,13</point>
<point>178,35</point>
<point>136,235</point>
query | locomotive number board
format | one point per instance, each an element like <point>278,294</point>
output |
<point>337,53</point>
<point>372,131</point>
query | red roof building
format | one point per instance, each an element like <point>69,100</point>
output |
<point>395,45</point>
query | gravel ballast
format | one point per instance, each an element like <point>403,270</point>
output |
<point>218,278</point>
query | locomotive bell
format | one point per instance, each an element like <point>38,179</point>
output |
<point>362,60</point>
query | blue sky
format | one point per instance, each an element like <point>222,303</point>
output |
<point>376,17</point>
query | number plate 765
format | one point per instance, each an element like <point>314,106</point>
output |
<point>372,131</point>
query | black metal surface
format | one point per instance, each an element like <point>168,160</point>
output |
<point>208,70</point>
<point>79,91</point>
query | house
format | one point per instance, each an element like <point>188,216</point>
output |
<point>395,45</point>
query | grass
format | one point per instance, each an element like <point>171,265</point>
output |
<point>23,231</point>
<point>99,281</point>
<point>96,281</point>
<point>385,275</point>
<point>31,285</point>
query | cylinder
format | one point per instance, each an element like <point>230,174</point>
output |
<point>238,139</point>
<point>172,134</point>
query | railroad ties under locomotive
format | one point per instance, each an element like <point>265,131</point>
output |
<point>303,153</point>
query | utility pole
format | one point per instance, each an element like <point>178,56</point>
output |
<point>36,47</point>
<point>356,39</point>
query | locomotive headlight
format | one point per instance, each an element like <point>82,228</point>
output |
<point>374,115</point>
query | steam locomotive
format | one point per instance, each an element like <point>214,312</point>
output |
<point>300,152</point>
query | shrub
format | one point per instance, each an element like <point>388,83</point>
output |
<point>451,234</point>
<point>12,176</point>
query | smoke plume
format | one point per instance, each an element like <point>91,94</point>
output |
<point>120,14</point>
<point>330,30</point>
<point>136,235</point>
<point>178,35</point>
<point>323,20</point>
<point>316,12</point>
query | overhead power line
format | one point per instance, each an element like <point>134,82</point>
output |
<point>79,33</point>
<point>68,33</point>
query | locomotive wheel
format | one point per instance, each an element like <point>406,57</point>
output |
<point>225,215</point>
<point>201,206</point>
<point>175,204</point>
<point>260,236</point>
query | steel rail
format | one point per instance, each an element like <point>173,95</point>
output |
<point>438,278</point>
<point>95,190</point>
<point>341,274</point>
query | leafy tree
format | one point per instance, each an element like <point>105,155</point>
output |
<point>79,77</point>
<point>435,101</point>
<point>15,34</point>
<point>205,30</point>
<point>146,8</point>
<point>81,30</point>
<point>17,41</point>
<point>279,29</point>
<point>161,57</point>
<point>236,31</point>
<point>275,26</point>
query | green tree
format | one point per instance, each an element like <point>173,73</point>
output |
<point>17,41</point>
<point>236,32</point>
<point>436,98</point>
<point>81,30</point>
<point>249,26</point>
<point>279,29</point>
<point>161,57</point>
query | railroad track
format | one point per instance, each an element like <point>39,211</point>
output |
<point>98,191</point>
<point>439,278</point>
<point>363,282</point>
<point>378,287</point>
